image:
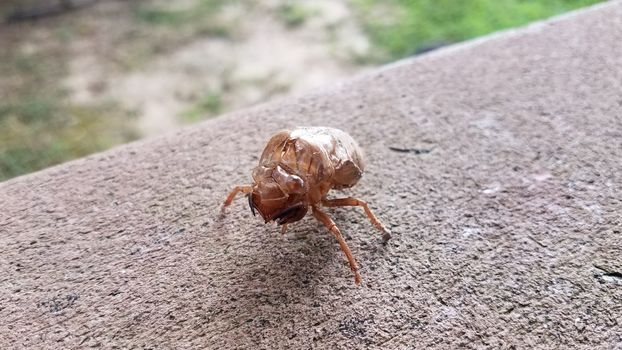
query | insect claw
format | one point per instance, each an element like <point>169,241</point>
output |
<point>386,236</point>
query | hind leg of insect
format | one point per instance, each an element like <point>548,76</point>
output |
<point>330,224</point>
<point>234,192</point>
<point>353,202</point>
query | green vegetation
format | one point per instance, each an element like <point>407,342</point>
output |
<point>213,101</point>
<point>294,15</point>
<point>208,105</point>
<point>70,132</point>
<point>38,128</point>
<point>175,16</point>
<point>404,27</point>
<point>200,18</point>
<point>164,26</point>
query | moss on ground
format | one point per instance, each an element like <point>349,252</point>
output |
<point>404,27</point>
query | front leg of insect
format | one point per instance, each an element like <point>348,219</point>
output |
<point>237,189</point>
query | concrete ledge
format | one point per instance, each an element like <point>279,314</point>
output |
<point>506,235</point>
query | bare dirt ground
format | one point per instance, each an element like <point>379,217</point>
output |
<point>168,75</point>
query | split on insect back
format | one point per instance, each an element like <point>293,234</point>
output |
<point>296,171</point>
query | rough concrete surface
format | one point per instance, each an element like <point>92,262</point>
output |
<point>506,234</point>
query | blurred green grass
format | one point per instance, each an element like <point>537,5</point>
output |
<point>74,131</point>
<point>404,27</point>
<point>38,126</point>
<point>294,15</point>
<point>193,20</point>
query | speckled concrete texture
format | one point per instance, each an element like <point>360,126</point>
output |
<point>506,234</point>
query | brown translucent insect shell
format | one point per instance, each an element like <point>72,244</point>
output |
<point>296,171</point>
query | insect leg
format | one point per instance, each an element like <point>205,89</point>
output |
<point>353,202</point>
<point>236,189</point>
<point>283,229</point>
<point>330,224</point>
